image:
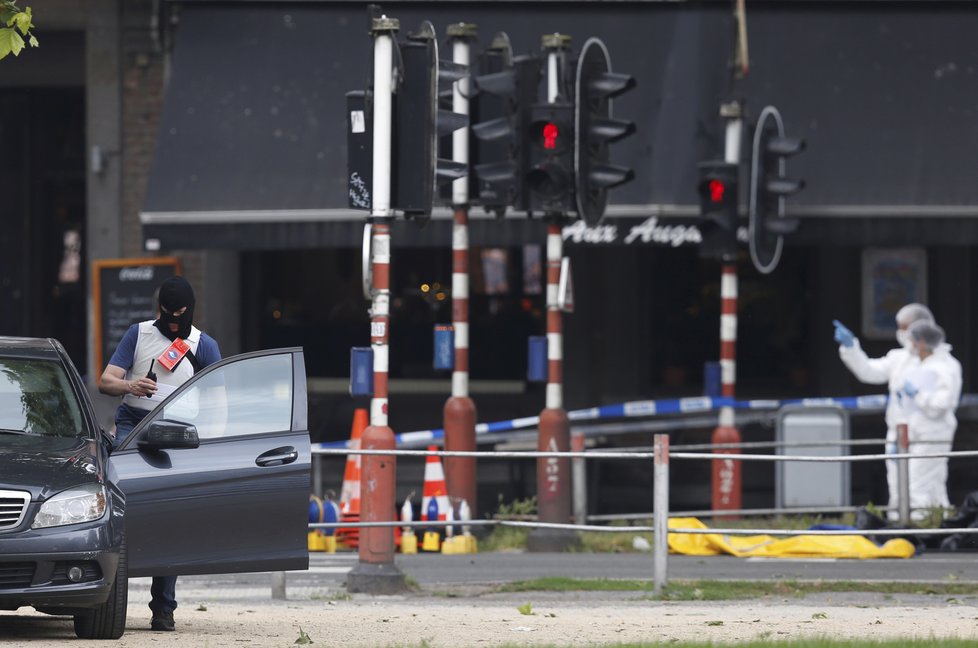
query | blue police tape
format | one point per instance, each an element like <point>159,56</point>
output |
<point>697,404</point>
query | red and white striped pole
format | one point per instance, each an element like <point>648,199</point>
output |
<point>376,573</point>
<point>380,320</point>
<point>726,477</point>
<point>459,414</point>
<point>726,472</point>
<point>554,474</point>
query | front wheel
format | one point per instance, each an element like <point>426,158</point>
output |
<point>108,620</point>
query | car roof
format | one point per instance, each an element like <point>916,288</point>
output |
<point>46,348</point>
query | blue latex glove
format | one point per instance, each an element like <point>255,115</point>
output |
<point>910,389</point>
<point>843,335</point>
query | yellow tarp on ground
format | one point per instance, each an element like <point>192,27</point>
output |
<point>810,546</point>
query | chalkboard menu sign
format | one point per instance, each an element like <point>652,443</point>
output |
<point>124,291</point>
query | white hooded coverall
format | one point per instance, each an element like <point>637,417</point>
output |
<point>892,369</point>
<point>931,423</point>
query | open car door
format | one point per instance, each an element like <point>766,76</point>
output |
<point>216,478</point>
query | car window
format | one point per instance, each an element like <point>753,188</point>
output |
<point>36,398</point>
<point>251,396</point>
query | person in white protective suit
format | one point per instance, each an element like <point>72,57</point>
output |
<point>891,369</point>
<point>929,396</point>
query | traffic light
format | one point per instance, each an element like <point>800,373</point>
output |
<point>769,186</point>
<point>596,86</point>
<point>549,177</point>
<point>506,88</point>
<point>717,190</point>
<point>418,123</point>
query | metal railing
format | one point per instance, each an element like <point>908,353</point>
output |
<point>660,457</point>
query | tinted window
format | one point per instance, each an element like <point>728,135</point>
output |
<point>252,396</point>
<point>36,397</point>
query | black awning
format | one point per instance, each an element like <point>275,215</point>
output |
<point>284,235</point>
<point>252,145</point>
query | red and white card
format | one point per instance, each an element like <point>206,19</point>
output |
<point>173,354</point>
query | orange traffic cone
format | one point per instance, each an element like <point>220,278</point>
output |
<point>434,500</point>
<point>350,493</point>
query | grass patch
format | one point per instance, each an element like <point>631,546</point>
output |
<point>710,590</point>
<point>614,541</point>
<point>505,539</point>
<point>560,584</point>
<point>330,596</point>
<point>412,584</point>
<point>510,538</point>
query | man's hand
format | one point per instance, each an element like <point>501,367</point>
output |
<point>142,387</point>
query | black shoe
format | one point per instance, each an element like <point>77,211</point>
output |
<point>163,622</point>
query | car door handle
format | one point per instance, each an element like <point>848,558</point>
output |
<point>277,457</point>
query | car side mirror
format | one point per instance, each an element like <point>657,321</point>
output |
<point>169,435</point>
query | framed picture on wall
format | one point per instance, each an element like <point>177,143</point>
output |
<point>892,278</point>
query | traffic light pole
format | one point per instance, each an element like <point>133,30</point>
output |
<point>376,573</point>
<point>726,475</point>
<point>459,414</point>
<point>554,474</point>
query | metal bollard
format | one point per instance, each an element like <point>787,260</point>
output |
<point>903,473</point>
<point>660,512</point>
<point>579,478</point>
<point>278,585</point>
<point>317,475</point>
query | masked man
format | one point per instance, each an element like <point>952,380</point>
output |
<point>153,359</point>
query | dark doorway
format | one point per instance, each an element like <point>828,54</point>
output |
<point>42,184</point>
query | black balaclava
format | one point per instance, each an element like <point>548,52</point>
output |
<point>175,293</point>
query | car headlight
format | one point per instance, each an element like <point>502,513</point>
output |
<point>81,504</point>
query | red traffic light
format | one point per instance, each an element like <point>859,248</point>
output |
<point>715,188</point>
<point>550,134</point>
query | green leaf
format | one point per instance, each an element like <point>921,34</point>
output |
<point>33,41</point>
<point>23,20</point>
<point>303,639</point>
<point>10,42</point>
<point>525,609</point>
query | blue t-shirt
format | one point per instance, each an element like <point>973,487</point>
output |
<point>207,352</point>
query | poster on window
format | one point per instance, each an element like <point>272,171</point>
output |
<point>495,271</point>
<point>892,278</point>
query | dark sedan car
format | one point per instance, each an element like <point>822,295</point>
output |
<point>214,480</point>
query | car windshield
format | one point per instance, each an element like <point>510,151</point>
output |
<point>36,399</point>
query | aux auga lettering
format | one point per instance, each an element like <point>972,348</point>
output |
<point>142,273</point>
<point>649,231</point>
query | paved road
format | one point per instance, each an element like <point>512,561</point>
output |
<point>431,570</point>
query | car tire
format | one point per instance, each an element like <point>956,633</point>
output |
<point>108,620</point>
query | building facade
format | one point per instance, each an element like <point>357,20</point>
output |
<point>215,132</point>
